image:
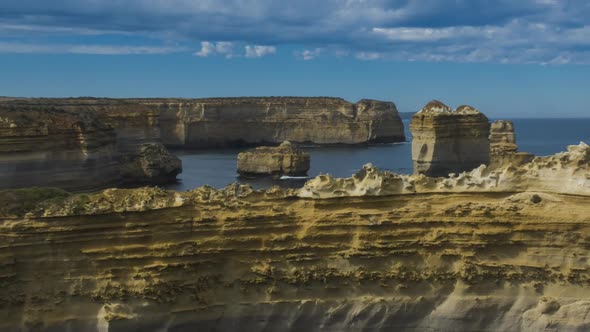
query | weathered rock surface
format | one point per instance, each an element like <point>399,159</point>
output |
<point>286,159</point>
<point>503,147</point>
<point>81,143</point>
<point>446,142</point>
<point>47,146</point>
<point>219,122</point>
<point>151,164</point>
<point>565,173</point>
<point>502,137</point>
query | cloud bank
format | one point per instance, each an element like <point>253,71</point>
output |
<point>501,31</point>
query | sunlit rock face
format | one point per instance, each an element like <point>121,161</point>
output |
<point>285,159</point>
<point>503,147</point>
<point>480,251</point>
<point>219,122</point>
<point>47,146</point>
<point>502,137</point>
<point>565,173</point>
<point>446,141</point>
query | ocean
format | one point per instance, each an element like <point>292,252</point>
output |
<point>217,168</point>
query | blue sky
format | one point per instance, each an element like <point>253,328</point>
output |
<point>526,58</point>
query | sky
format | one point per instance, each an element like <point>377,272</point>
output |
<point>525,58</point>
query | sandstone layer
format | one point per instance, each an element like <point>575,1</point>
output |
<point>503,251</point>
<point>221,122</point>
<point>446,142</point>
<point>81,144</point>
<point>286,159</point>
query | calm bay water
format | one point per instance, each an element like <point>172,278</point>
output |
<point>217,168</point>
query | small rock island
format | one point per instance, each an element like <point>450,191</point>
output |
<point>285,159</point>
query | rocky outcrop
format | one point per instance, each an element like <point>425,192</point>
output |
<point>565,173</point>
<point>151,164</point>
<point>48,146</point>
<point>503,147</point>
<point>502,137</point>
<point>446,142</point>
<point>128,147</point>
<point>222,122</point>
<point>286,159</point>
<point>513,259</point>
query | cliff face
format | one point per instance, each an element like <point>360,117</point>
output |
<point>446,142</point>
<point>148,259</point>
<point>46,146</point>
<point>116,141</point>
<point>254,121</point>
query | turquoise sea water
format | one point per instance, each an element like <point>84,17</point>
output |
<point>217,168</point>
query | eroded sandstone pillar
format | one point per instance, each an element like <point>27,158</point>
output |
<point>502,137</point>
<point>446,141</point>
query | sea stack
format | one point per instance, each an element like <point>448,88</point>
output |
<point>153,164</point>
<point>502,137</point>
<point>286,159</point>
<point>446,141</point>
<point>503,147</point>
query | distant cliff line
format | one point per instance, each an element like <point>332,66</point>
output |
<point>234,121</point>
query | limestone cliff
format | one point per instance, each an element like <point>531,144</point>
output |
<point>451,256</point>
<point>47,146</point>
<point>446,142</point>
<point>219,122</point>
<point>128,147</point>
<point>285,159</point>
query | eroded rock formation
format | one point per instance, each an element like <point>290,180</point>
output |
<point>151,163</point>
<point>565,173</point>
<point>502,137</point>
<point>446,142</point>
<point>503,147</point>
<point>502,251</point>
<point>286,159</point>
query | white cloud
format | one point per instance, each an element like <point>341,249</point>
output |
<point>367,56</point>
<point>309,54</point>
<point>216,48</point>
<point>530,31</point>
<point>23,48</point>
<point>259,51</point>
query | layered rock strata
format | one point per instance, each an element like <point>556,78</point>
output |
<point>502,137</point>
<point>221,122</point>
<point>47,146</point>
<point>503,147</point>
<point>446,142</point>
<point>81,144</point>
<point>468,259</point>
<point>286,159</point>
